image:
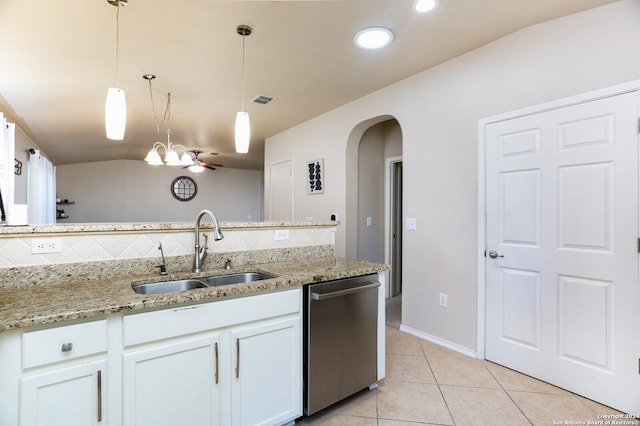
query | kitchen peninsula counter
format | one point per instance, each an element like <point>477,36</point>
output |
<point>73,329</point>
<point>148,227</point>
<point>53,302</point>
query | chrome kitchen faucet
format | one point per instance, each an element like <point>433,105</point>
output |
<point>201,252</point>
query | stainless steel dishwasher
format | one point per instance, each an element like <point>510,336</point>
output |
<point>341,338</point>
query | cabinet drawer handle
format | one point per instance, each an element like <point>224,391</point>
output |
<point>99,395</point>
<point>66,347</point>
<point>216,363</point>
<point>237,358</point>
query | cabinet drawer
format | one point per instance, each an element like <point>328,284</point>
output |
<point>62,343</point>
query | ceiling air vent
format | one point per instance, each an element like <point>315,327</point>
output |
<point>262,100</point>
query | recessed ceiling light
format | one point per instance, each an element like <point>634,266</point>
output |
<point>373,38</point>
<point>425,5</point>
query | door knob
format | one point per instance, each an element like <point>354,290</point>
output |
<point>492,254</point>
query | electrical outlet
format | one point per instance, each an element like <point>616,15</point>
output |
<point>444,300</point>
<point>368,220</point>
<point>410,224</point>
<point>282,234</point>
<point>46,245</point>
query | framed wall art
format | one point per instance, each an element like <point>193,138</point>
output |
<point>315,177</point>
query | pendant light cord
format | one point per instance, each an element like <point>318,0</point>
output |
<point>167,117</point>
<point>243,31</point>
<point>153,104</point>
<point>167,111</point>
<point>117,40</point>
<point>243,71</point>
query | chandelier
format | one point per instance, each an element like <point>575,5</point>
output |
<point>171,157</point>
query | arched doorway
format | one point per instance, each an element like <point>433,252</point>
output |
<point>373,223</point>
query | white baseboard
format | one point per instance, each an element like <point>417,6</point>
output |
<point>438,341</point>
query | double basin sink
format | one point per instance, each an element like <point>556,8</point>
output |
<point>193,283</point>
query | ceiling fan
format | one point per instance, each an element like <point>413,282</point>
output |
<point>198,163</point>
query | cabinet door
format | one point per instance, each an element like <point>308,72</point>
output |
<point>173,384</point>
<point>70,396</point>
<point>266,381</point>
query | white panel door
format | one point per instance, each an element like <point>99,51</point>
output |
<point>281,191</point>
<point>562,299</point>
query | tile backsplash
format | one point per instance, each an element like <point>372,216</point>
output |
<point>16,250</point>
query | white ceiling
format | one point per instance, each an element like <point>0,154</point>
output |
<point>58,59</point>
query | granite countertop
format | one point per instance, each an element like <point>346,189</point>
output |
<point>128,227</point>
<point>55,302</point>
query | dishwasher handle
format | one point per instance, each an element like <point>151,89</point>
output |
<point>338,293</point>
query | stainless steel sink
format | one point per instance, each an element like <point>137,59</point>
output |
<point>190,284</point>
<point>168,286</point>
<point>243,277</point>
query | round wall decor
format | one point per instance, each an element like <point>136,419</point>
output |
<point>184,188</point>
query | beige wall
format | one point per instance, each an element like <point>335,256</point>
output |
<point>438,112</point>
<point>378,143</point>
<point>371,195</point>
<point>131,190</point>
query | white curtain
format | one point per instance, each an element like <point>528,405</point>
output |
<point>7,161</point>
<point>41,194</point>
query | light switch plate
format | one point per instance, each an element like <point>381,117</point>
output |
<point>410,224</point>
<point>444,300</point>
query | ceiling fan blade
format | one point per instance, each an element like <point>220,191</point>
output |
<point>208,166</point>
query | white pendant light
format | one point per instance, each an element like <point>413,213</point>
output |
<point>243,127</point>
<point>243,132</point>
<point>115,113</point>
<point>115,109</point>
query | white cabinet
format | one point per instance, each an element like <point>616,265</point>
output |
<point>173,384</point>
<point>266,383</point>
<point>70,396</point>
<point>64,375</point>
<point>236,362</point>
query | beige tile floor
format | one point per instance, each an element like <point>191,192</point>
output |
<point>427,384</point>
